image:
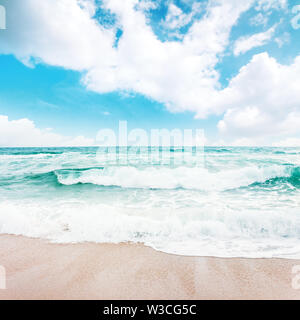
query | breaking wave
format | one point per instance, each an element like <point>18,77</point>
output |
<point>176,178</point>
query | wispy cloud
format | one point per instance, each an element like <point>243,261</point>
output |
<point>244,44</point>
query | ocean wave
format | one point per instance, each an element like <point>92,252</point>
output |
<point>17,156</point>
<point>217,150</point>
<point>223,232</point>
<point>286,153</point>
<point>182,177</point>
<point>53,175</point>
<point>292,179</point>
<point>243,202</point>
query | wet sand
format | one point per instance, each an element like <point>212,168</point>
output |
<point>36,269</point>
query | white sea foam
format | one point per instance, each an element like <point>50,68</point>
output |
<point>186,231</point>
<point>166,178</point>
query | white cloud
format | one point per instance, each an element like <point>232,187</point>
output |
<point>267,5</point>
<point>176,18</point>
<point>56,32</point>
<point>259,19</point>
<point>147,5</point>
<point>24,133</point>
<point>263,101</point>
<point>244,44</point>
<point>265,8</point>
<point>283,39</point>
<point>179,74</point>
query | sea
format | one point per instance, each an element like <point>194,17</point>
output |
<point>217,201</point>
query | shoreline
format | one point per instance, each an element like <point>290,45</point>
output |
<point>37,269</point>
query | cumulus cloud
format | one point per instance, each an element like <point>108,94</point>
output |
<point>56,32</point>
<point>245,44</point>
<point>24,133</point>
<point>261,99</point>
<point>179,74</point>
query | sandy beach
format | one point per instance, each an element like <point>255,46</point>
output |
<point>37,269</point>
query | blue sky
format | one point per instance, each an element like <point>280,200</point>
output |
<point>187,72</point>
<point>55,98</point>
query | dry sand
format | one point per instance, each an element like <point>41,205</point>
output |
<point>40,270</point>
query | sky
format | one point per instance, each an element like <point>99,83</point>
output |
<point>72,67</point>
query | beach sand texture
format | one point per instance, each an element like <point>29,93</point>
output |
<point>36,269</point>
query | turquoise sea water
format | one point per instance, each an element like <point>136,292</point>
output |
<point>230,202</point>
